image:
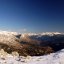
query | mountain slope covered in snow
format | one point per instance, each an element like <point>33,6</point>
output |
<point>52,39</point>
<point>31,43</point>
<point>36,47</point>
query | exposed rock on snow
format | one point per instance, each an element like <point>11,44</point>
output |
<point>53,58</point>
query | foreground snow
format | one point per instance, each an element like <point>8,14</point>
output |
<point>53,58</point>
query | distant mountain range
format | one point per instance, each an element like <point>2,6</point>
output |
<point>31,43</point>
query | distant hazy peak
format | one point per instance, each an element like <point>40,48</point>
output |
<point>30,34</point>
<point>41,34</point>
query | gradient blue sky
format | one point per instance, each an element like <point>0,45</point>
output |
<point>32,15</point>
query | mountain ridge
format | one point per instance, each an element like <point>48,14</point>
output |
<point>39,44</point>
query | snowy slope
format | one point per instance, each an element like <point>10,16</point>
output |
<point>10,39</point>
<point>53,58</point>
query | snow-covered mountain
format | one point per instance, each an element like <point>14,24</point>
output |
<point>13,38</point>
<point>54,37</point>
<point>47,36</point>
<point>54,40</point>
<point>43,33</point>
<point>9,38</point>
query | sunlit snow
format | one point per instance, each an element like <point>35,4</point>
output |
<point>53,58</point>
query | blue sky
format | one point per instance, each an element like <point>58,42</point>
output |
<point>32,15</point>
